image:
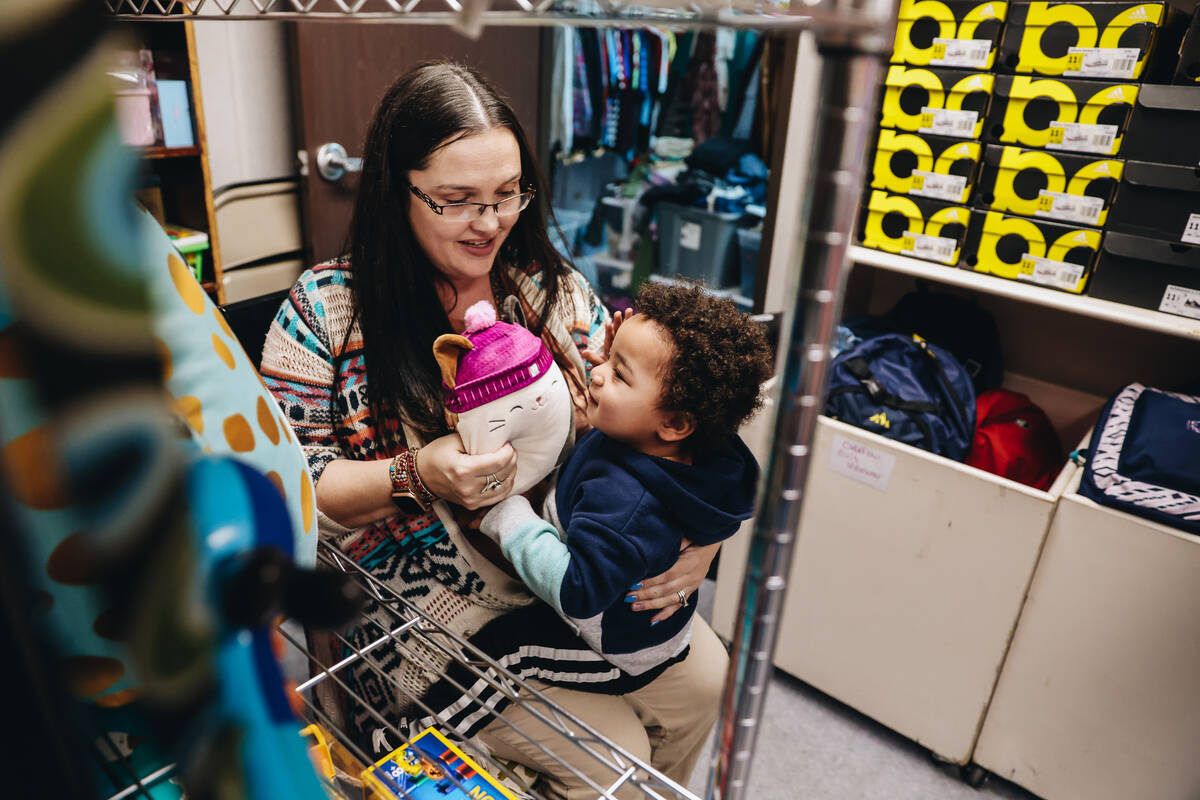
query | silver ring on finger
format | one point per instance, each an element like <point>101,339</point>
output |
<point>682,597</point>
<point>493,483</point>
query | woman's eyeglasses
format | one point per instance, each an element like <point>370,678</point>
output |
<point>465,212</point>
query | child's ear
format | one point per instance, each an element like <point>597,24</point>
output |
<point>675,426</point>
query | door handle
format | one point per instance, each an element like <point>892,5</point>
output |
<point>333,163</point>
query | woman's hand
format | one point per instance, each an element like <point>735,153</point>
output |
<point>610,331</point>
<point>453,475</point>
<point>592,357</point>
<point>686,575</point>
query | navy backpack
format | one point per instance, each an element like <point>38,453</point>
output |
<point>1144,457</point>
<point>906,389</point>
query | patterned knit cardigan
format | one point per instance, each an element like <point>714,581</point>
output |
<point>423,557</point>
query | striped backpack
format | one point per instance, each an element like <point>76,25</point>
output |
<point>1145,456</point>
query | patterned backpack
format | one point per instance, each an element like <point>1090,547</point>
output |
<point>1145,457</point>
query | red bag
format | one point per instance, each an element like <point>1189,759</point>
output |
<point>1014,439</point>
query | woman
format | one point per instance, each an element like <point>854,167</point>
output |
<point>451,210</point>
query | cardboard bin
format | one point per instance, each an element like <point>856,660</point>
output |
<point>1049,185</point>
<point>937,167</point>
<point>1097,698</point>
<point>1150,273</point>
<point>952,33</point>
<point>1158,200</point>
<point>1037,251</point>
<point>1080,40</point>
<point>914,226</point>
<point>948,102</point>
<point>1060,113</point>
<point>908,577</point>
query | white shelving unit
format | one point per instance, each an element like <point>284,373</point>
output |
<point>1106,310</point>
<point>929,571</point>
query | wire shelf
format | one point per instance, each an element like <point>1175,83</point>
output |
<point>473,15</point>
<point>417,636</point>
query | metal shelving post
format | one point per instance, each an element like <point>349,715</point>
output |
<point>850,64</point>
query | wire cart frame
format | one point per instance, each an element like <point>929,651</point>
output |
<point>852,37</point>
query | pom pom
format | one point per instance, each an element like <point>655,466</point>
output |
<point>479,316</point>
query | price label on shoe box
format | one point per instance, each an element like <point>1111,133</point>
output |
<point>960,52</point>
<point>948,122</point>
<point>1102,62</point>
<point>938,185</point>
<point>1048,272</point>
<point>1082,137</point>
<point>1069,207</point>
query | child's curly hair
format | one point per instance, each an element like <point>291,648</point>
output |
<point>720,358</point>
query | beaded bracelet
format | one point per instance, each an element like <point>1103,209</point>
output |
<point>424,496</point>
<point>399,473</point>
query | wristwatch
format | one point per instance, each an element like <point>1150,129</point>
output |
<point>406,484</point>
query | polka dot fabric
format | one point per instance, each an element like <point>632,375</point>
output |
<point>217,392</point>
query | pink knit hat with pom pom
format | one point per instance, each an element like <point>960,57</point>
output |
<point>503,358</point>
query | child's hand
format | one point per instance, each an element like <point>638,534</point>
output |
<point>610,330</point>
<point>686,575</point>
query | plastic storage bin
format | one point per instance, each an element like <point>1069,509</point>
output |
<point>699,244</point>
<point>618,214</point>
<point>749,244</point>
<point>571,224</point>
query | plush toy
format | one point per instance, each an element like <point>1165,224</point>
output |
<point>500,384</point>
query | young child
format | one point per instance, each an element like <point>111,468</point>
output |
<point>663,462</point>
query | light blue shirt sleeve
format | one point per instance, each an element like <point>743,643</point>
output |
<point>539,557</point>
<point>531,544</point>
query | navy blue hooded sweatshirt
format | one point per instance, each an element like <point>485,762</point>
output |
<point>622,515</point>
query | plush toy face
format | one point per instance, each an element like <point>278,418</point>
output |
<point>535,420</point>
<point>502,385</point>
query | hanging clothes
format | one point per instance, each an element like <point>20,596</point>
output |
<point>675,118</point>
<point>562,94</point>
<point>743,126</point>
<point>743,73</point>
<point>581,92</point>
<point>724,45</point>
<point>740,113</point>
<point>701,88</point>
<point>594,67</point>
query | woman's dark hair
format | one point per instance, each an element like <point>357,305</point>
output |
<point>394,282</point>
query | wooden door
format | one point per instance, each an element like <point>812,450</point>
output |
<point>341,69</point>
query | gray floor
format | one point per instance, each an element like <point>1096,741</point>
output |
<point>812,747</point>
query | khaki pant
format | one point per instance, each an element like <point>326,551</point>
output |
<point>665,724</point>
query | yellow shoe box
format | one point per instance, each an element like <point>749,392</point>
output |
<point>1081,40</point>
<point>943,102</point>
<point>937,167</point>
<point>914,226</point>
<point>948,33</point>
<point>1061,113</point>
<point>1045,253</point>
<point>1048,185</point>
